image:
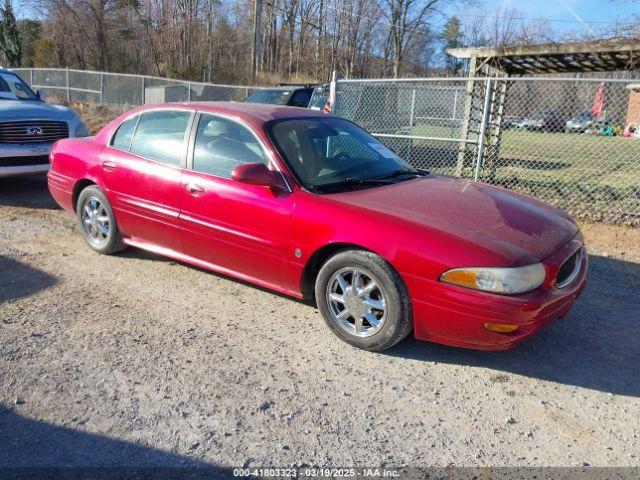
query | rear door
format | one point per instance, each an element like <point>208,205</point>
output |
<point>244,229</point>
<point>142,169</point>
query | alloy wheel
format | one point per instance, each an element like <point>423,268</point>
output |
<point>95,220</point>
<point>356,301</point>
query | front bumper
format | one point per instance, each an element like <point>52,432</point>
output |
<point>455,315</point>
<point>18,159</point>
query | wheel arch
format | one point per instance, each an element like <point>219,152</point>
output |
<point>318,258</point>
<point>77,188</point>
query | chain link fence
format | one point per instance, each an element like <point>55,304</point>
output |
<point>122,91</point>
<point>420,119</point>
<point>571,142</point>
<point>574,143</point>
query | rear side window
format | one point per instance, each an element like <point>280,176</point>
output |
<point>122,138</point>
<point>221,145</point>
<point>300,98</point>
<point>275,97</point>
<point>160,136</point>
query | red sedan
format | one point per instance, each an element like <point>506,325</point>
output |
<point>312,206</point>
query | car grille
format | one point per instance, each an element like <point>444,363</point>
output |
<point>34,131</point>
<point>569,269</point>
<point>23,161</point>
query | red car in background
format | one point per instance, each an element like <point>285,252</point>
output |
<point>312,206</point>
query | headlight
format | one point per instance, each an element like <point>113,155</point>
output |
<point>81,131</point>
<point>497,280</point>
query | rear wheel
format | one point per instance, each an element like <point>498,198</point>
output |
<point>363,300</point>
<point>97,222</point>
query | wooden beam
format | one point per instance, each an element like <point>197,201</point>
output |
<point>600,46</point>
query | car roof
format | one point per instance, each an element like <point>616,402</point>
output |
<point>262,112</point>
<point>247,111</point>
<point>254,114</point>
<point>287,87</point>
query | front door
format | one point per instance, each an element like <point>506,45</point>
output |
<point>142,169</point>
<point>242,229</point>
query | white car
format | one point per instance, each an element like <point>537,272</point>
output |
<point>29,127</point>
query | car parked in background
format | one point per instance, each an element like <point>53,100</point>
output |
<point>29,127</point>
<point>579,123</point>
<point>320,98</point>
<point>545,121</point>
<point>312,206</point>
<point>513,122</point>
<point>291,95</point>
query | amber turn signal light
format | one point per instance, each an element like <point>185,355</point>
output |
<point>500,327</point>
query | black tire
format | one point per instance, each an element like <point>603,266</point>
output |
<point>397,318</point>
<point>106,244</point>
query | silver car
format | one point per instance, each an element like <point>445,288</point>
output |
<point>29,127</point>
<point>580,123</point>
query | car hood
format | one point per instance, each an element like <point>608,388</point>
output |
<point>32,110</point>
<point>518,229</point>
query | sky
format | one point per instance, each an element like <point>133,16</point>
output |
<point>588,10</point>
<point>565,15</point>
<point>570,12</point>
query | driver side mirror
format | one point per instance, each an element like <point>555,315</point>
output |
<point>40,94</point>
<point>258,174</point>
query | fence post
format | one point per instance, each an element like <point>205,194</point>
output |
<point>332,91</point>
<point>31,77</point>
<point>483,129</point>
<point>453,114</point>
<point>465,125</point>
<point>101,89</point>
<point>68,90</point>
<point>413,106</point>
<point>189,92</point>
<point>411,122</point>
<point>143,88</point>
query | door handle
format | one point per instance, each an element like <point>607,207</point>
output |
<point>108,166</point>
<point>194,190</point>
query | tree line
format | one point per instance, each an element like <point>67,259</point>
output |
<point>301,40</point>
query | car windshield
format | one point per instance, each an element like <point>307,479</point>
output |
<point>274,97</point>
<point>12,88</point>
<point>332,154</point>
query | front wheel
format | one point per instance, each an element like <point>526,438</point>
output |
<point>97,222</point>
<point>363,300</point>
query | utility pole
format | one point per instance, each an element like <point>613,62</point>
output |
<point>257,37</point>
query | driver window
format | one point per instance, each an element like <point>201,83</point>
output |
<point>221,145</point>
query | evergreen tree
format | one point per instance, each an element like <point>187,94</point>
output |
<point>10,44</point>
<point>451,38</point>
<point>30,36</point>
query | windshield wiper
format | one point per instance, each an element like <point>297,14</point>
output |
<point>399,173</point>
<point>354,181</point>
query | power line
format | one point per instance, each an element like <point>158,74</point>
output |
<point>555,20</point>
<point>497,17</point>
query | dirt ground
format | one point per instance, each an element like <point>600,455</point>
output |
<point>136,360</point>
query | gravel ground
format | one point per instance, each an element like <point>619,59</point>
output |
<point>136,360</point>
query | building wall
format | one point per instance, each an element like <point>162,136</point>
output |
<point>633,111</point>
